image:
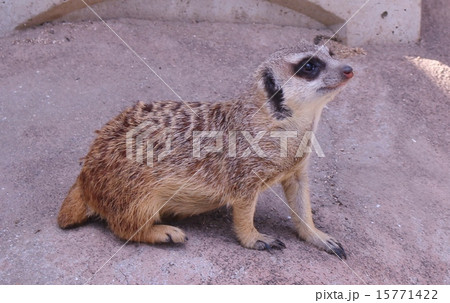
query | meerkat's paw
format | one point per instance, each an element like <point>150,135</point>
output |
<point>263,242</point>
<point>325,242</point>
<point>164,234</point>
<point>335,247</point>
<point>175,235</point>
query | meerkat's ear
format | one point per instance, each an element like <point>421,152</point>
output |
<point>275,95</point>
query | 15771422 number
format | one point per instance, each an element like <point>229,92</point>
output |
<point>407,294</point>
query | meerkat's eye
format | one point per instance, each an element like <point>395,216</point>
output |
<point>309,68</point>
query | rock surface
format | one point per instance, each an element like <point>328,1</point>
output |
<point>382,188</point>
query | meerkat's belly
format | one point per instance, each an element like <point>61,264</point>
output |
<point>188,203</point>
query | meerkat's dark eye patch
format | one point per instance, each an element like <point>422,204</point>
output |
<point>309,68</point>
<point>275,95</point>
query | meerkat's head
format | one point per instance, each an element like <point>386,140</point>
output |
<point>301,77</point>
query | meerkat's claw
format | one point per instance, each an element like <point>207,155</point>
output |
<point>173,235</point>
<point>280,244</point>
<point>275,244</point>
<point>261,245</point>
<point>325,242</point>
<point>169,240</point>
<point>334,247</point>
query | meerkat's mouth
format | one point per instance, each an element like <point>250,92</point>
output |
<point>333,87</point>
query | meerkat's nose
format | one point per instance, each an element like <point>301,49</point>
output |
<point>347,70</point>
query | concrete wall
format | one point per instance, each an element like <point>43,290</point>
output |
<point>383,21</point>
<point>380,21</point>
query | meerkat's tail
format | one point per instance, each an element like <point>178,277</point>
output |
<point>74,210</point>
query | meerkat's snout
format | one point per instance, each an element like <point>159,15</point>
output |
<point>347,70</point>
<point>345,74</point>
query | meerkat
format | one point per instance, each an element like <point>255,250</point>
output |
<point>287,95</point>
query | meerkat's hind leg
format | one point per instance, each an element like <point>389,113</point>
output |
<point>153,234</point>
<point>141,223</point>
<point>160,233</point>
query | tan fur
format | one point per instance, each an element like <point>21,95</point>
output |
<point>73,211</point>
<point>134,197</point>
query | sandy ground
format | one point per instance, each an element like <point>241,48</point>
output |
<point>382,188</point>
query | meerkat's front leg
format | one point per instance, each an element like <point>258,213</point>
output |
<point>243,212</point>
<point>296,189</point>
